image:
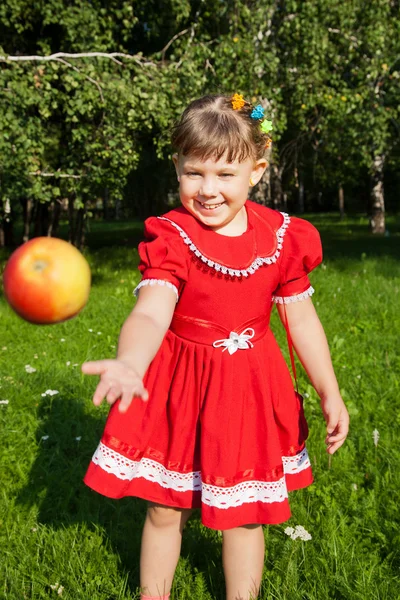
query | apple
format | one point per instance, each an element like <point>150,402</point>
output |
<point>46,280</point>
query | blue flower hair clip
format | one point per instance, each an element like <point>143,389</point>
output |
<point>257,112</point>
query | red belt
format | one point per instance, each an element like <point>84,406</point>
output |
<point>205,332</point>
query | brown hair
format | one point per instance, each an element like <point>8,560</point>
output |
<point>210,127</point>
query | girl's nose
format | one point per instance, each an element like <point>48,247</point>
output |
<point>209,188</point>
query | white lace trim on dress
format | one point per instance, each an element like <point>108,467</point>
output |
<point>297,463</point>
<point>168,284</point>
<point>216,496</point>
<point>256,264</point>
<point>297,298</point>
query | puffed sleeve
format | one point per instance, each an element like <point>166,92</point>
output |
<point>163,260</point>
<point>301,253</point>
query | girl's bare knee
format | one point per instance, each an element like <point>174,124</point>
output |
<point>241,530</point>
<point>166,516</point>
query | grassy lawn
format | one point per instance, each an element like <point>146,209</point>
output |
<point>56,532</point>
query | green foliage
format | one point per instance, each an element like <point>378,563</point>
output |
<point>327,72</point>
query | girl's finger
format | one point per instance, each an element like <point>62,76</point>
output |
<point>101,392</point>
<point>140,392</point>
<point>126,400</point>
<point>333,447</point>
<point>94,367</point>
<point>113,393</point>
<point>334,438</point>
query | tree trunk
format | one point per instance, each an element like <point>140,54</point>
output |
<point>80,229</point>
<point>6,233</point>
<point>377,220</point>
<point>56,217</point>
<point>341,201</point>
<point>285,201</point>
<point>6,223</point>
<point>276,185</point>
<point>71,223</point>
<point>27,215</point>
<point>41,219</point>
<point>300,205</point>
<point>105,204</point>
<point>261,193</point>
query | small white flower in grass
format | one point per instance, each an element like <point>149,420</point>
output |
<point>338,289</point>
<point>34,529</point>
<point>302,533</point>
<point>68,363</point>
<point>91,330</point>
<point>75,365</point>
<point>3,401</point>
<point>4,348</point>
<point>50,393</point>
<point>62,340</point>
<point>78,439</point>
<point>375,436</point>
<point>306,395</point>
<point>44,438</point>
<point>354,486</point>
<point>298,532</point>
<point>57,588</point>
<point>29,369</point>
<point>99,333</point>
<point>358,376</point>
<point>35,356</point>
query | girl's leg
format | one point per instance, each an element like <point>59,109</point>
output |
<point>161,546</point>
<point>243,558</point>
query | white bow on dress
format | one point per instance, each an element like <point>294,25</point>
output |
<point>236,341</point>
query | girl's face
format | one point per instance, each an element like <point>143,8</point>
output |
<point>215,191</point>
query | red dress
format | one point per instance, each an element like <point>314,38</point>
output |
<point>223,429</point>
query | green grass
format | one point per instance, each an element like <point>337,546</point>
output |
<point>55,530</point>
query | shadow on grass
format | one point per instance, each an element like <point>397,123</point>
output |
<point>55,485</point>
<point>350,238</point>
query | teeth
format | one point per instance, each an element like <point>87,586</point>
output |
<point>211,206</point>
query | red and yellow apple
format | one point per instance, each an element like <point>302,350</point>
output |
<point>46,280</point>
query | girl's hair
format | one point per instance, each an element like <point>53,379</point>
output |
<point>210,127</point>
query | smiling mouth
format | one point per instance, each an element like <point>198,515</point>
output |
<point>210,206</point>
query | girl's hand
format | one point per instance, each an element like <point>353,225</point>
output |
<point>337,422</point>
<point>117,380</point>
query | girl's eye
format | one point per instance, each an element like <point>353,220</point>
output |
<point>226,175</point>
<point>192,173</point>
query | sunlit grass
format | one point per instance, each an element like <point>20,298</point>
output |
<point>53,530</point>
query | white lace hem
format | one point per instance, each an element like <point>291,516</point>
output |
<point>216,496</point>
<point>168,284</point>
<point>297,463</point>
<point>256,264</point>
<point>297,298</point>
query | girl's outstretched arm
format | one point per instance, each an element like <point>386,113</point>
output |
<point>311,347</point>
<point>139,340</point>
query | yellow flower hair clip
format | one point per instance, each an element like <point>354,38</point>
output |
<point>237,101</point>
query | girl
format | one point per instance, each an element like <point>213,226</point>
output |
<point>204,412</point>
